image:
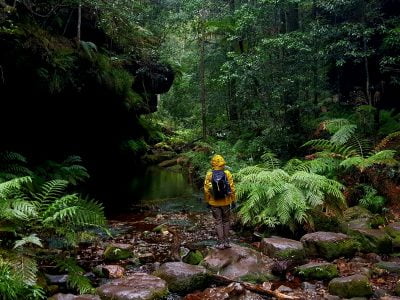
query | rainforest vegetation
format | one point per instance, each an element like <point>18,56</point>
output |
<point>301,97</point>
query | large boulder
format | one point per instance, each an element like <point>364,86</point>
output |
<point>138,286</point>
<point>182,277</point>
<point>393,229</point>
<point>328,245</point>
<point>372,240</point>
<point>60,296</point>
<point>237,262</point>
<point>321,270</point>
<point>392,267</point>
<point>350,286</point>
<point>282,248</point>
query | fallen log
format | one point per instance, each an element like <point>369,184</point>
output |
<point>257,288</point>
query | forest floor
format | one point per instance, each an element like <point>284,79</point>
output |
<point>181,231</point>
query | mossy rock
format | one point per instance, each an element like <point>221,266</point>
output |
<point>356,212</point>
<point>258,278</point>
<point>114,253</point>
<point>392,267</point>
<point>393,230</point>
<point>350,286</point>
<point>323,270</point>
<point>183,278</point>
<point>282,248</point>
<point>372,240</point>
<point>329,245</point>
<point>193,257</point>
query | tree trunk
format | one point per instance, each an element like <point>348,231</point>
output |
<point>78,32</point>
<point>202,83</point>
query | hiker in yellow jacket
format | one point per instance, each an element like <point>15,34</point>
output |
<point>219,193</point>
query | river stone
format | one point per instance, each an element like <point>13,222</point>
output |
<point>350,286</point>
<point>138,286</point>
<point>392,267</point>
<point>329,245</point>
<point>356,212</point>
<point>372,240</point>
<point>57,279</point>
<point>115,252</point>
<point>238,261</point>
<point>232,291</point>
<point>60,296</point>
<point>282,248</point>
<point>182,277</point>
<point>193,257</point>
<point>389,298</point>
<point>322,270</point>
<point>109,271</point>
<point>393,229</point>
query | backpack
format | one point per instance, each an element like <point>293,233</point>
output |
<point>220,185</point>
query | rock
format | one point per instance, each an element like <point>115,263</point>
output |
<point>308,286</point>
<point>284,289</point>
<point>60,296</point>
<point>356,212</point>
<point>182,277</point>
<point>322,270</point>
<point>372,240</point>
<point>389,298</point>
<point>392,267</point>
<point>158,157</point>
<point>332,297</point>
<point>350,286</point>
<point>282,248</point>
<point>237,261</point>
<point>168,163</point>
<point>117,252</point>
<point>57,279</point>
<point>393,229</point>
<point>161,228</point>
<point>138,286</point>
<point>328,245</point>
<point>193,257</point>
<point>145,258</point>
<point>109,271</point>
<point>232,291</point>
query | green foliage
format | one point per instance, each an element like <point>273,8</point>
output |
<point>276,197</point>
<point>76,278</point>
<point>371,200</point>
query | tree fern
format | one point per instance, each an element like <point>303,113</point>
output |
<point>270,161</point>
<point>51,191</point>
<point>391,141</point>
<point>276,197</point>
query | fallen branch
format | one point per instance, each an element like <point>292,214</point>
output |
<point>257,288</point>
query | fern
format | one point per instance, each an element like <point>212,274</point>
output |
<point>31,239</point>
<point>51,191</point>
<point>343,134</point>
<point>270,161</point>
<point>76,278</point>
<point>276,197</point>
<point>391,141</point>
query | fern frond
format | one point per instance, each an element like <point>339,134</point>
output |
<point>31,239</point>
<point>9,156</point>
<point>343,134</point>
<point>13,185</point>
<point>270,161</point>
<point>26,268</point>
<point>72,160</point>
<point>51,190</point>
<point>334,125</point>
<point>76,278</point>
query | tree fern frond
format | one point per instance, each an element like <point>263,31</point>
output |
<point>270,161</point>
<point>31,239</point>
<point>23,210</point>
<point>26,267</point>
<point>343,134</point>
<point>9,156</point>
<point>76,278</point>
<point>360,145</point>
<point>334,125</point>
<point>72,160</point>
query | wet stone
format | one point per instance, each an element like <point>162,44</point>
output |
<point>138,286</point>
<point>372,240</point>
<point>182,277</point>
<point>328,245</point>
<point>350,286</point>
<point>282,248</point>
<point>321,270</point>
<point>60,296</point>
<point>237,262</point>
<point>392,267</point>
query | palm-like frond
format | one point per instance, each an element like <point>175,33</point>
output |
<point>51,191</point>
<point>334,125</point>
<point>385,157</point>
<point>270,161</point>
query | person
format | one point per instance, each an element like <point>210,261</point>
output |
<point>220,204</point>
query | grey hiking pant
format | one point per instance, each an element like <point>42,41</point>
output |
<point>221,215</point>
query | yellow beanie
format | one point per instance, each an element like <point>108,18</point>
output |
<point>217,161</point>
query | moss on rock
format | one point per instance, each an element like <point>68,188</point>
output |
<point>322,270</point>
<point>350,286</point>
<point>114,253</point>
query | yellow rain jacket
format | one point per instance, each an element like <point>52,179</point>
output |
<point>218,163</point>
